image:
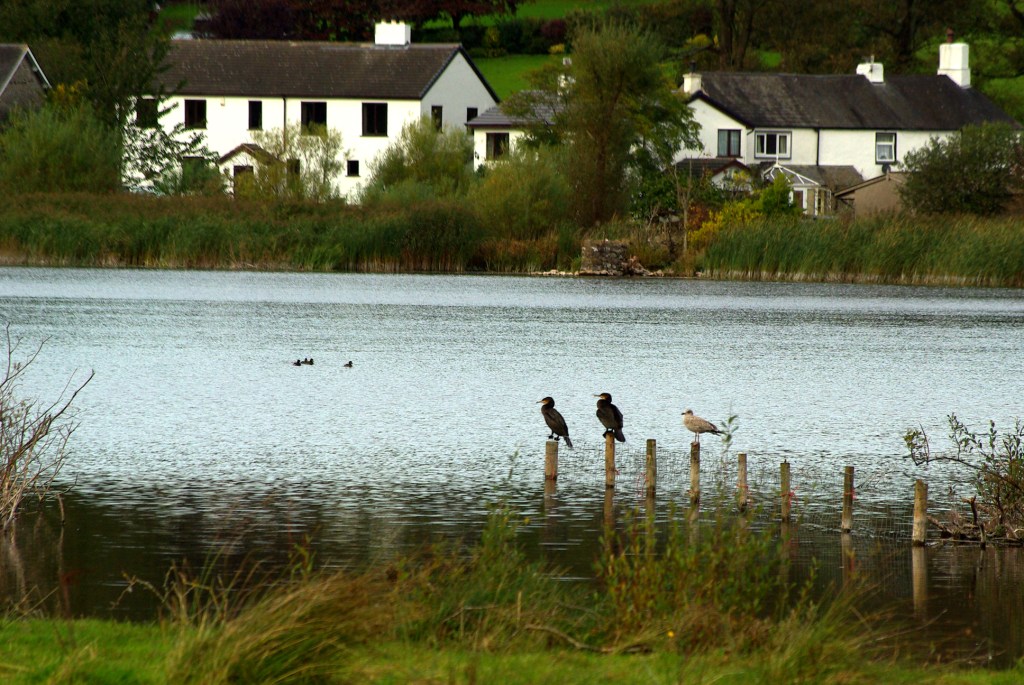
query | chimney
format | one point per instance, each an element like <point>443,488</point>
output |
<point>691,81</point>
<point>392,33</point>
<point>872,70</point>
<point>954,61</point>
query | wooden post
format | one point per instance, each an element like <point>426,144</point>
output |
<point>846,523</point>
<point>609,460</point>
<point>551,460</point>
<point>742,494</point>
<point>787,492</point>
<point>694,474</point>
<point>651,478</point>
<point>919,581</point>
<point>849,557</point>
<point>920,535</point>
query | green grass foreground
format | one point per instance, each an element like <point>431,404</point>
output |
<point>683,605</point>
<point>102,652</point>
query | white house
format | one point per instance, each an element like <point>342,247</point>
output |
<point>367,92</point>
<point>495,132</point>
<point>826,133</point>
<point>22,83</point>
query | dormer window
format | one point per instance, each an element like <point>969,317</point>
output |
<point>885,147</point>
<point>772,144</point>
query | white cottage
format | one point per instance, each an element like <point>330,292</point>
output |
<point>367,92</point>
<point>829,132</point>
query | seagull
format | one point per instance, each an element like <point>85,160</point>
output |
<point>554,420</point>
<point>698,425</point>
<point>610,416</point>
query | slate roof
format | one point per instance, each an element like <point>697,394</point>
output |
<point>831,176</point>
<point>709,166</point>
<point>906,103</point>
<point>264,68</point>
<point>495,117</point>
<point>11,56</point>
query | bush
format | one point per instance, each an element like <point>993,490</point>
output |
<point>59,149</point>
<point>439,160</point>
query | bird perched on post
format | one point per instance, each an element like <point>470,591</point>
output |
<point>610,416</point>
<point>698,425</point>
<point>554,420</point>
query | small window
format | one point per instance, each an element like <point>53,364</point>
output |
<point>352,168</point>
<point>146,113</point>
<point>294,167</point>
<point>436,116</point>
<point>195,113</point>
<point>497,145</point>
<point>885,147</point>
<point>314,114</point>
<point>375,118</point>
<point>242,170</point>
<point>255,115</point>
<point>728,142</point>
<point>772,144</point>
<point>471,113</point>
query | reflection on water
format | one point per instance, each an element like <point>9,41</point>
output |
<point>198,437</point>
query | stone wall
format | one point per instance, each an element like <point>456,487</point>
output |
<point>609,258</point>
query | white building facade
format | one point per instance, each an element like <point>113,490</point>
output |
<point>228,90</point>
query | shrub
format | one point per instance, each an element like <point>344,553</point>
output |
<point>440,160</point>
<point>59,149</point>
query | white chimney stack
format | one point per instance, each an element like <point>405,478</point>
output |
<point>392,33</point>
<point>954,63</point>
<point>872,70</point>
<point>691,83</point>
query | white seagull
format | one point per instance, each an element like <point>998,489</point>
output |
<point>698,425</point>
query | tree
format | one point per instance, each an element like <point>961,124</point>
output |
<point>170,162</point>
<point>33,436</point>
<point>439,160</point>
<point>251,19</point>
<point>976,170</point>
<point>109,46</point>
<point>58,148</point>
<point>300,163</point>
<point>615,112</point>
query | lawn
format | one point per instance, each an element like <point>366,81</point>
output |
<point>509,74</point>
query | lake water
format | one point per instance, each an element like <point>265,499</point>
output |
<point>199,436</point>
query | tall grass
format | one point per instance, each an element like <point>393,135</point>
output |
<point>897,249</point>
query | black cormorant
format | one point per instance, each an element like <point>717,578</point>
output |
<point>554,420</point>
<point>297,362</point>
<point>610,416</point>
<point>349,365</point>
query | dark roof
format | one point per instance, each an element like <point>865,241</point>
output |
<point>253,150</point>
<point>495,117</point>
<point>267,68</point>
<point>709,166</point>
<point>906,103</point>
<point>830,176</point>
<point>11,57</point>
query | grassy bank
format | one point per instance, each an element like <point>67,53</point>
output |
<point>902,249</point>
<point>666,607</point>
<point>452,235</point>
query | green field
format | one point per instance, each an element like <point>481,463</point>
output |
<point>510,74</point>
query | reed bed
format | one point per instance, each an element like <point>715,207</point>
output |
<point>894,249</point>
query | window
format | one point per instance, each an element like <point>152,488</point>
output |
<point>774,144</point>
<point>885,147</point>
<point>294,168</point>
<point>471,113</point>
<point>435,116</point>
<point>375,118</point>
<point>242,170</point>
<point>313,114</point>
<point>497,145</point>
<point>145,113</point>
<point>728,142</point>
<point>255,115</point>
<point>352,167</point>
<point>195,113</point>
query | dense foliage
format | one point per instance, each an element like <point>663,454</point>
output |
<point>975,171</point>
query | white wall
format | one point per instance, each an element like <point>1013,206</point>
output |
<point>711,120</point>
<point>480,143</point>
<point>456,90</point>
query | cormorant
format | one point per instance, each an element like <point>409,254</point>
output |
<point>610,416</point>
<point>308,360</point>
<point>554,420</point>
<point>297,362</point>
<point>698,425</point>
<point>349,365</point>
